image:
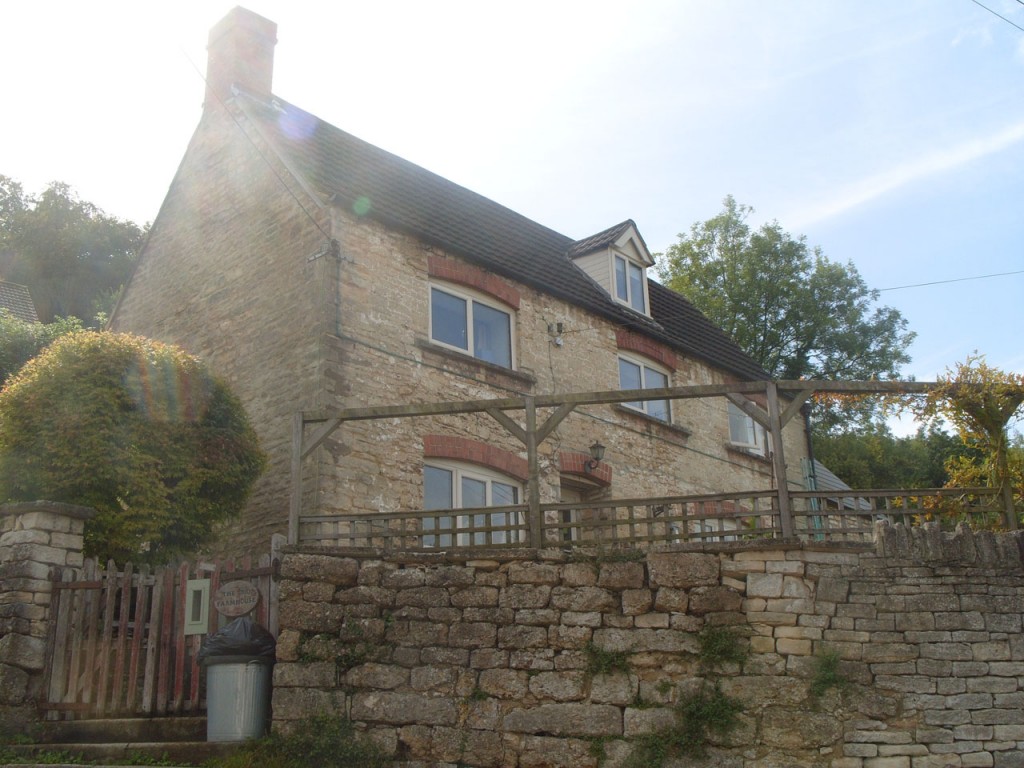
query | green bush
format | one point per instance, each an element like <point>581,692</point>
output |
<point>138,430</point>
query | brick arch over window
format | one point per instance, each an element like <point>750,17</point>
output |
<point>461,273</point>
<point>475,452</point>
<point>575,463</point>
<point>634,342</point>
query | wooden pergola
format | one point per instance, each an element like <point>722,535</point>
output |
<point>784,400</point>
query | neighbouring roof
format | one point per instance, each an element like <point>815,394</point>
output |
<point>826,480</point>
<point>17,300</point>
<point>361,177</point>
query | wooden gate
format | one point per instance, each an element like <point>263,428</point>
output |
<point>118,642</point>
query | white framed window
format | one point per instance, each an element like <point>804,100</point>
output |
<point>630,283</point>
<point>636,373</point>
<point>746,433</point>
<point>469,323</point>
<point>453,485</point>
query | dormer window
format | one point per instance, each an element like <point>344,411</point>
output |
<point>630,284</point>
<point>617,259</point>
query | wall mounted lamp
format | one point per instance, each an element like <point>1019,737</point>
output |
<point>596,454</point>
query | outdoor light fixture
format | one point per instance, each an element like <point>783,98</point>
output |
<point>596,454</point>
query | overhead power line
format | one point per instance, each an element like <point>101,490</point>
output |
<point>1013,24</point>
<point>953,280</point>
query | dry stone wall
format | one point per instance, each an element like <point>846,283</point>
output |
<point>491,661</point>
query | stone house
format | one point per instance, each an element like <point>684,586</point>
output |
<point>316,271</point>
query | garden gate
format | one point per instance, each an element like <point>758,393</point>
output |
<point>124,643</point>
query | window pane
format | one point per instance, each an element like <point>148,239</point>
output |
<point>636,288</point>
<point>629,378</point>
<point>503,495</point>
<point>474,493</point>
<point>437,488</point>
<point>656,380</point>
<point>437,494</point>
<point>448,319</point>
<point>741,426</point>
<point>492,339</point>
<point>621,287</point>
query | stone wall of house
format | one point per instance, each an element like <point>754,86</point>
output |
<point>483,662</point>
<point>231,273</point>
<point>35,537</point>
<point>383,355</point>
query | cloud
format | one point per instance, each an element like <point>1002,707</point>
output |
<point>944,160</point>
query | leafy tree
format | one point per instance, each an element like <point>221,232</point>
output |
<point>20,340</point>
<point>136,429</point>
<point>982,402</point>
<point>875,458</point>
<point>788,306</point>
<point>72,256</point>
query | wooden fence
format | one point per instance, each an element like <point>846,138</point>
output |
<point>117,642</point>
<point>742,516</point>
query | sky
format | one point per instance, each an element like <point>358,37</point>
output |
<point>890,134</point>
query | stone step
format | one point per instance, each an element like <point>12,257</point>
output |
<point>184,753</point>
<point>133,729</point>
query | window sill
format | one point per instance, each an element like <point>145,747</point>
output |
<point>738,450</point>
<point>460,362</point>
<point>666,429</point>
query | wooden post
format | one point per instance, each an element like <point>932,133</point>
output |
<point>779,459</point>
<point>533,480</point>
<point>295,500</point>
<point>1008,511</point>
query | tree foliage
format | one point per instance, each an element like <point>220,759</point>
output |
<point>982,403</point>
<point>788,306</point>
<point>72,256</point>
<point>875,458</point>
<point>138,430</point>
<point>21,340</point>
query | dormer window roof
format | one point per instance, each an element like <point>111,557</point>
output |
<point>618,260</point>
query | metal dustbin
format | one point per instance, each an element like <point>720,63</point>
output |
<point>239,662</point>
<point>237,697</point>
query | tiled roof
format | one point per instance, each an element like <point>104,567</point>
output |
<point>18,301</point>
<point>363,178</point>
<point>600,240</point>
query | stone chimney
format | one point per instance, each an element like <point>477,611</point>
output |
<point>240,52</point>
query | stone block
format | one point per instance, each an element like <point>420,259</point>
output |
<point>557,686</point>
<point>618,688</point>
<point>14,685</point>
<point>437,679</point>
<point>652,621</point>
<point>397,708</point>
<point>705,600</point>
<point>472,635</point>
<point>504,683</point>
<point>764,585</point>
<point>475,597</point>
<point>22,651</point>
<point>519,638</point>
<point>583,720</point>
<point>534,573</point>
<point>579,575</point>
<point>671,600</point>
<point>339,571</point>
<point>683,569</point>
<point>584,599</point>
<point>621,575</point>
<point>422,597</point>
<point>637,601</point>
<point>315,674</point>
<point>377,676</point>
<point>518,596</point>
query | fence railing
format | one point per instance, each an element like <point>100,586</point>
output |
<point>644,522</point>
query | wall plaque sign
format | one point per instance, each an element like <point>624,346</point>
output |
<point>236,598</point>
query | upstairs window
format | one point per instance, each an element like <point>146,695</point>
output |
<point>637,374</point>
<point>630,283</point>
<point>453,486</point>
<point>467,323</point>
<point>746,433</point>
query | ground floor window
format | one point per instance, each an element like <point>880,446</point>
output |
<point>451,485</point>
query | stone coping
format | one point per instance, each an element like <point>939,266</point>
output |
<point>75,511</point>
